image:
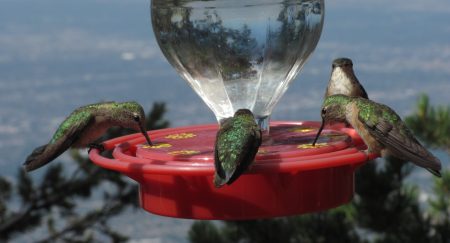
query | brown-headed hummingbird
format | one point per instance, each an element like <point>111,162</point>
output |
<point>343,80</point>
<point>86,124</point>
<point>237,143</point>
<point>380,127</point>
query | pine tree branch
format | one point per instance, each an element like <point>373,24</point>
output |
<point>40,202</point>
<point>86,221</point>
<point>14,220</point>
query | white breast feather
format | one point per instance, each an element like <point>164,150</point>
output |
<point>339,82</point>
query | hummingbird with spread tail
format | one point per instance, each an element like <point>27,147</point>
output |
<point>343,80</point>
<point>237,143</point>
<point>86,124</point>
<point>381,129</point>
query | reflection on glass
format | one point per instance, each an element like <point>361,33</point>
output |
<point>238,54</point>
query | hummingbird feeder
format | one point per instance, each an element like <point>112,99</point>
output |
<point>239,54</point>
<point>288,177</point>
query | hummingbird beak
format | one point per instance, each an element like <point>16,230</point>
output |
<point>318,133</point>
<point>145,135</point>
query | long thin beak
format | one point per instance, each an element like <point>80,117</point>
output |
<point>145,135</point>
<point>318,133</point>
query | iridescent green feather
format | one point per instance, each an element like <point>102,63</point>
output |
<point>237,143</point>
<point>337,100</point>
<point>232,142</point>
<point>371,112</point>
<point>84,113</point>
<point>77,117</point>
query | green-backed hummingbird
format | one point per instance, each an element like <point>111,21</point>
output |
<point>343,80</point>
<point>380,127</point>
<point>237,143</point>
<point>85,125</point>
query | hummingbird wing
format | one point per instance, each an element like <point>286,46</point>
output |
<point>66,135</point>
<point>363,91</point>
<point>401,143</point>
<point>235,150</point>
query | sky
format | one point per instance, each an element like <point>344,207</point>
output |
<point>58,55</point>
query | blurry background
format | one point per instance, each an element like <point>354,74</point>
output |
<point>58,55</point>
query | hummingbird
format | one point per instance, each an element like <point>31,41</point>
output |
<point>381,129</point>
<point>343,80</point>
<point>86,124</point>
<point>237,143</point>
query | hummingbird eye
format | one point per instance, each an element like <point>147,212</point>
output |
<point>136,117</point>
<point>324,111</point>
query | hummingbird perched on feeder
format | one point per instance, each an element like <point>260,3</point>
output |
<point>237,143</point>
<point>85,125</point>
<point>343,80</point>
<point>380,127</point>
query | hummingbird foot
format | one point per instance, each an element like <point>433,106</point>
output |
<point>371,155</point>
<point>366,153</point>
<point>98,146</point>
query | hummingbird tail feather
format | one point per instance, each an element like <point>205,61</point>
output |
<point>36,159</point>
<point>434,172</point>
<point>231,176</point>
<point>219,181</point>
<point>224,177</point>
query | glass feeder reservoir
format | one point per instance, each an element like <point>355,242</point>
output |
<point>238,53</point>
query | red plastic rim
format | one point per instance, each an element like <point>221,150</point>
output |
<point>131,155</point>
<point>179,167</point>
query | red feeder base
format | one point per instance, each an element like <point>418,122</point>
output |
<point>288,177</point>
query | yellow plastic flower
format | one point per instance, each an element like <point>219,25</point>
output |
<point>302,129</point>
<point>157,146</point>
<point>310,146</point>
<point>184,152</point>
<point>181,135</point>
<point>262,151</point>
